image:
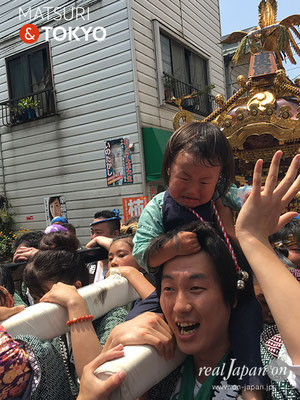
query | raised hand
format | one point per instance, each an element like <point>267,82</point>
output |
<point>261,216</point>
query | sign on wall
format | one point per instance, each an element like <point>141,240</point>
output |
<point>118,162</point>
<point>133,206</point>
<point>55,206</point>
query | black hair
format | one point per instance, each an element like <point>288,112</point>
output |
<point>283,257</point>
<point>128,238</point>
<point>114,224</point>
<point>211,242</point>
<point>71,228</point>
<point>59,241</point>
<point>207,144</point>
<point>6,280</point>
<point>287,232</point>
<point>29,239</point>
<point>56,261</point>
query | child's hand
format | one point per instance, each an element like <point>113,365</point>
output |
<point>65,295</point>
<point>6,312</point>
<point>186,243</point>
<point>93,388</point>
<point>260,215</point>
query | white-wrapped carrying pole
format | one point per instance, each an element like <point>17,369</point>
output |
<point>144,368</point>
<point>46,321</point>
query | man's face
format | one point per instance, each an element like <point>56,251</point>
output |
<point>102,229</point>
<point>193,305</point>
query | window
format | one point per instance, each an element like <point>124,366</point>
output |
<point>30,87</point>
<point>185,73</point>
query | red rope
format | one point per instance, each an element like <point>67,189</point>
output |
<point>223,231</point>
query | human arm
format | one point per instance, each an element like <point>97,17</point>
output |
<point>258,218</point>
<point>6,312</point>
<point>183,243</point>
<point>85,343</point>
<point>137,280</point>
<point>150,226</point>
<point>7,303</point>
<point>100,241</point>
<point>148,328</point>
<point>93,388</point>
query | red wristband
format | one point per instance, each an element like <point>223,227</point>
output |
<point>80,319</point>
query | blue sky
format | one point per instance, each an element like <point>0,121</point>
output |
<point>240,14</point>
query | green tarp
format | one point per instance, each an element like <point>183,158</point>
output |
<point>155,141</point>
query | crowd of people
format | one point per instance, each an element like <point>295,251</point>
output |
<point>224,290</point>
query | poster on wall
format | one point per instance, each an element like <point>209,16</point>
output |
<point>133,206</point>
<point>118,162</point>
<point>55,206</point>
<point>153,190</point>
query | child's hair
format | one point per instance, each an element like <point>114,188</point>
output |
<point>59,241</point>
<point>212,243</point>
<point>126,237</point>
<point>206,143</point>
<point>71,228</point>
<point>29,239</point>
<point>56,261</point>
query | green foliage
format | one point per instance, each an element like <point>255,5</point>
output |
<point>6,216</point>
<point>28,104</point>
<point>6,234</point>
<point>6,244</point>
<point>6,251</point>
<point>206,89</point>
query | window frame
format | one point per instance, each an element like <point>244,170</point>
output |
<point>39,99</point>
<point>159,28</point>
<point>27,53</point>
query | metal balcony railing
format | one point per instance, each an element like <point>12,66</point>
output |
<point>31,107</point>
<point>200,103</point>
